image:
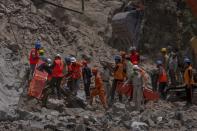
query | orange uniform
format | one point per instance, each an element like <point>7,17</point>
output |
<point>119,72</point>
<point>187,79</point>
<point>99,90</point>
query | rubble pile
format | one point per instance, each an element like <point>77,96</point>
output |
<point>82,35</point>
<point>122,117</point>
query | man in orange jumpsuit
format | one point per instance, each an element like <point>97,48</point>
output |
<point>118,77</point>
<point>188,80</point>
<point>99,89</point>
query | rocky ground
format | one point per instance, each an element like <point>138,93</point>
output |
<point>85,36</point>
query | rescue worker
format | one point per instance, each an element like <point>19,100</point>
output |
<point>56,77</point>
<point>76,75</point>
<point>57,74</point>
<point>99,89</point>
<point>68,72</point>
<point>34,57</point>
<point>124,62</point>
<point>87,74</point>
<point>42,55</point>
<point>118,77</point>
<point>173,65</point>
<point>106,80</point>
<point>162,79</point>
<point>165,58</point>
<point>137,82</point>
<point>188,80</point>
<point>134,56</point>
<point>46,66</point>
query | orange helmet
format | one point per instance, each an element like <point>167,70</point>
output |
<point>94,70</point>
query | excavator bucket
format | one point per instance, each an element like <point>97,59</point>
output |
<point>193,6</point>
<point>124,27</point>
<point>127,90</point>
<point>38,83</point>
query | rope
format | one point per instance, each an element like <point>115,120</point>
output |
<point>59,6</point>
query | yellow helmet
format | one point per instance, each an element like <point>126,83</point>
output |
<point>163,50</point>
<point>41,52</point>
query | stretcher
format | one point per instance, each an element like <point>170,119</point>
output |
<point>37,83</point>
<point>127,89</point>
<point>175,93</point>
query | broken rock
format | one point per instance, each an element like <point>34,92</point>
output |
<point>139,126</point>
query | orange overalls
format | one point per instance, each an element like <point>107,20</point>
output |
<point>99,90</point>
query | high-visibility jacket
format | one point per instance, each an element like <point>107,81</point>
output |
<point>162,75</point>
<point>119,72</point>
<point>34,57</point>
<point>58,68</point>
<point>135,57</point>
<point>76,71</point>
<point>187,79</point>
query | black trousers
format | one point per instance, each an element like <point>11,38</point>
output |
<point>55,83</point>
<point>113,90</point>
<point>162,91</point>
<point>49,90</point>
<point>87,88</point>
<point>189,93</point>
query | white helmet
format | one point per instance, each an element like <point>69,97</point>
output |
<point>49,61</point>
<point>73,59</point>
<point>57,56</point>
<point>136,67</point>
